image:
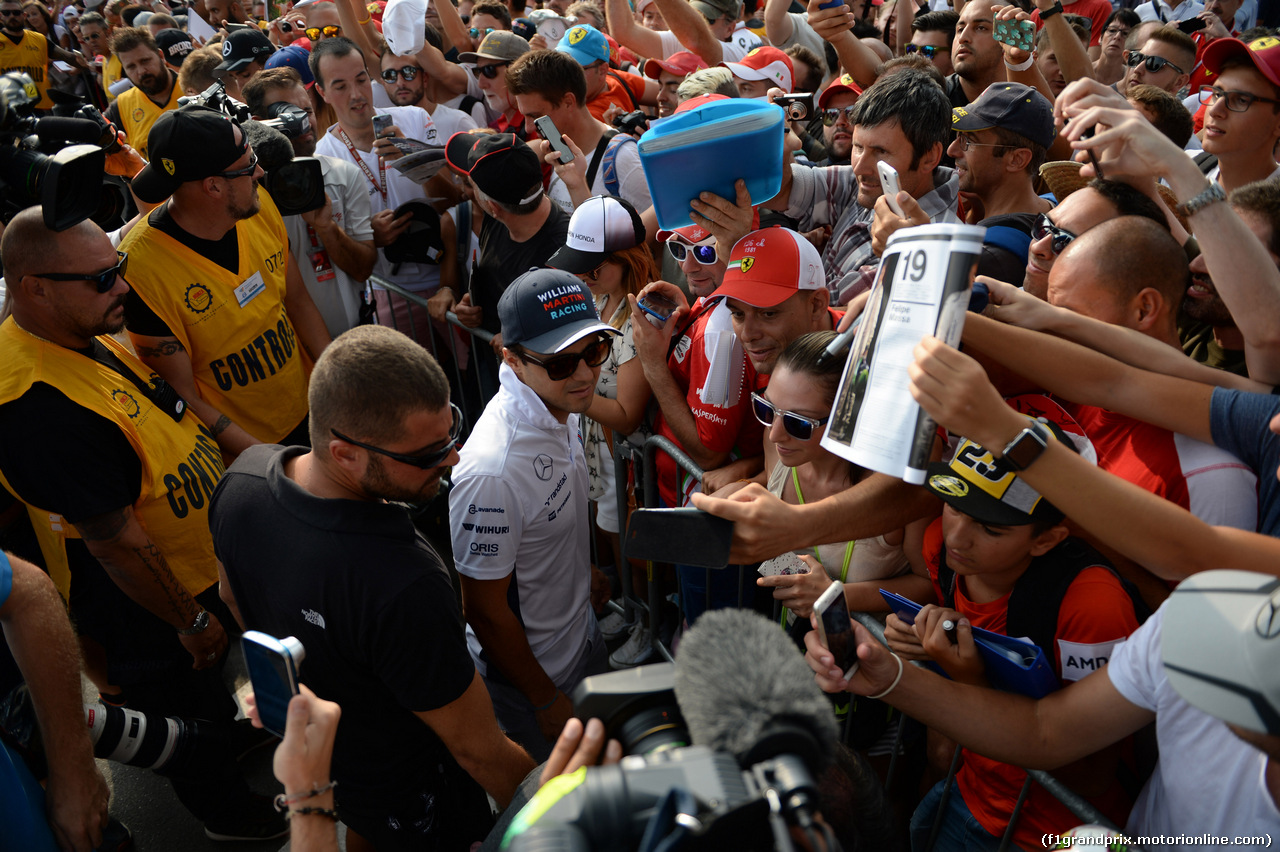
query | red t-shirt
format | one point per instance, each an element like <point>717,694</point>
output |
<point>1096,615</point>
<point>614,93</point>
<point>723,414</point>
<point>1097,11</point>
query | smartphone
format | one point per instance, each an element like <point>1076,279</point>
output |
<point>683,536</point>
<point>831,4</point>
<point>658,307</point>
<point>835,628</point>
<point>381,124</point>
<point>230,27</point>
<point>797,106</point>
<point>1019,34</point>
<point>889,184</point>
<point>547,128</point>
<point>273,670</point>
<point>1191,25</point>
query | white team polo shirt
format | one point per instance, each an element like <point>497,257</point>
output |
<point>519,505</point>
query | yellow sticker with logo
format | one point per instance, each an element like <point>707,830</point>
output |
<point>952,486</point>
<point>1263,43</point>
<point>577,34</point>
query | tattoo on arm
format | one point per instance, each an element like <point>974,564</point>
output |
<point>105,527</point>
<point>167,346</point>
<point>220,426</point>
<point>180,600</point>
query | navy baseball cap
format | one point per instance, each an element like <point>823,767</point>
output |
<point>295,57</point>
<point>547,311</point>
<point>1011,106</point>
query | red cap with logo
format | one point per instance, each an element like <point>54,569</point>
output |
<point>768,267</point>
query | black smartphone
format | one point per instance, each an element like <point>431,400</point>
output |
<point>1191,25</point>
<point>684,536</point>
<point>658,307</point>
<point>797,106</point>
<point>273,670</point>
<point>835,628</point>
<point>547,128</point>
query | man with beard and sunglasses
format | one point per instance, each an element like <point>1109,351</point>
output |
<point>405,82</point>
<point>518,511</point>
<point>116,475</point>
<point>155,85</point>
<point>316,544</point>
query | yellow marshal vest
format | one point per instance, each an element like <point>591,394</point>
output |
<point>181,462</point>
<point>112,73</point>
<point>30,56</point>
<point>138,112</point>
<point>247,358</point>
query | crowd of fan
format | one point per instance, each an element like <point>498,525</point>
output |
<point>290,386</point>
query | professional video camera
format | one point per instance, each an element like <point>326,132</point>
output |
<point>42,163</point>
<point>761,731</point>
<point>295,184</point>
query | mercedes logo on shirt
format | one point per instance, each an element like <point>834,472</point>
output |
<point>542,467</point>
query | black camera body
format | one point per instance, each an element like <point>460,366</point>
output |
<point>290,120</point>
<point>797,106</point>
<point>633,123</point>
<point>296,186</point>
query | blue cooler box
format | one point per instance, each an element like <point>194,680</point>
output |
<point>706,150</point>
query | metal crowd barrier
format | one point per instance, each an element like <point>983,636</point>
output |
<point>652,608</point>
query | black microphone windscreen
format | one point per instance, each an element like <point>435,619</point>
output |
<point>272,147</point>
<point>55,128</point>
<point>738,675</point>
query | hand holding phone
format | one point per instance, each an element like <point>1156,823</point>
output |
<point>381,124</point>
<point>890,186</point>
<point>273,671</point>
<point>1191,25</point>
<point>658,307</point>
<point>835,628</point>
<point>547,128</point>
<point>1017,34</point>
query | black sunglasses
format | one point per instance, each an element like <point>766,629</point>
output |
<point>1154,63</point>
<point>102,281</point>
<point>831,115</point>
<point>491,71</point>
<point>408,72</point>
<point>426,461</point>
<point>796,425</point>
<point>561,367</point>
<point>704,253</point>
<point>928,51</point>
<point>239,173</point>
<point>1044,228</point>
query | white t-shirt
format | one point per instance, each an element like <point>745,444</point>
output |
<point>518,507</point>
<point>450,121</point>
<point>415,123</point>
<point>337,297</point>
<point>1208,780</point>
<point>1168,12</point>
<point>742,42</point>
<point>631,183</point>
<point>802,34</point>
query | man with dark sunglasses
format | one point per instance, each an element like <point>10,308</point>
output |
<point>407,84</point>
<point>519,512</point>
<point>1164,60</point>
<point>218,307</point>
<point>317,544</point>
<point>116,475</point>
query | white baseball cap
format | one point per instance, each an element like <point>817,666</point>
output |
<point>600,226</point>
<point>404,25</point>
<point>1221,646</point>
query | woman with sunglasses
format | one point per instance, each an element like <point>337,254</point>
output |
<point>794,410</point>
<point>623,268</point>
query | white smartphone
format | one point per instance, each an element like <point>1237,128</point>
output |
<point>835,628</point>
<point>273,671</point>
<point>889,184</point>
<point>549,132</point>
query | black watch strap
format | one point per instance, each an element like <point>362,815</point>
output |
<point>1055,9</point>
<point>1026,447</point>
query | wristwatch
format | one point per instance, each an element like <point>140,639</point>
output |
<point>1055,9</point>
<point>1212,195</point>
<point>1027,446</point>
<point>197,626</point>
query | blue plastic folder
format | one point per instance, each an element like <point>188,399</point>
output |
<point>707,149</point>
<point>1014,665</point>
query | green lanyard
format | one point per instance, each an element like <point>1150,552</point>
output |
<point>848,549</point>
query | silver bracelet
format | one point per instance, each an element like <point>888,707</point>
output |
<point>896,680</point>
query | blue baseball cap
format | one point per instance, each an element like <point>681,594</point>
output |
<point>294,57</point>
<point>547,311</point>
<point>585,44</point>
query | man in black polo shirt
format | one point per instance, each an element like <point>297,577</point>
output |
<point>310,547</point>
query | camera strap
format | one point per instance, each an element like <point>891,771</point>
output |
<point>160,392</point>
<point>380,182</point>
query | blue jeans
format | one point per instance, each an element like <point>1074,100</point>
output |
<point>724,589</point>
<point>959,831</point>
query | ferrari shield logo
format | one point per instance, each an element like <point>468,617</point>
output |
<point>168,165</point>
